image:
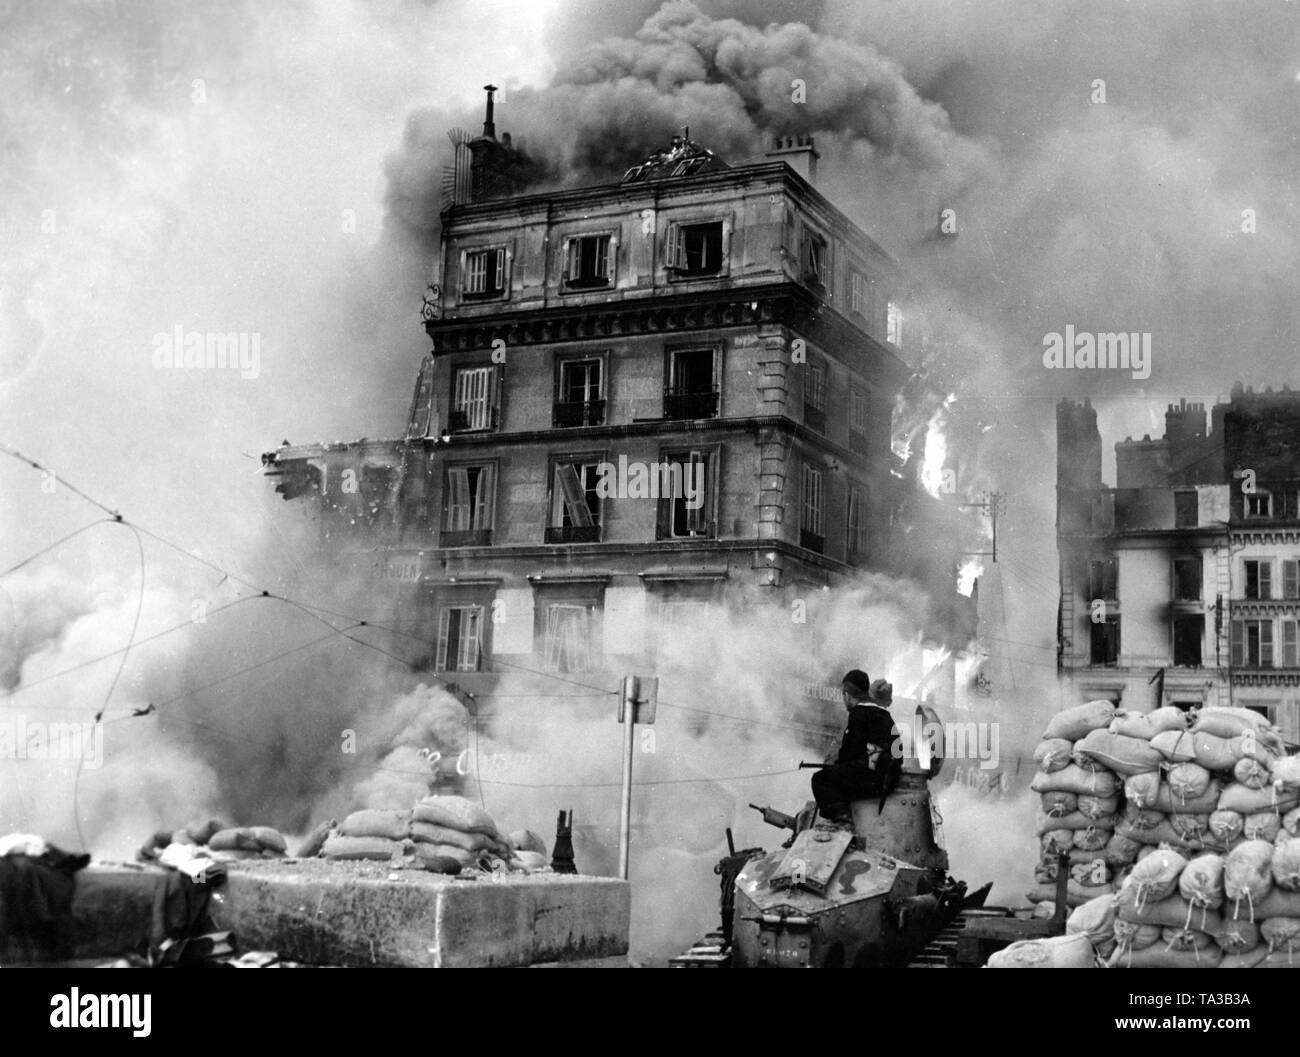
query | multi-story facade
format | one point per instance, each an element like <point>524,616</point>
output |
<point>640,397</point>
<point>1181,584</point>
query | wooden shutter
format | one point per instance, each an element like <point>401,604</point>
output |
<point>1290,578</point>
<point>575,496</point>
<point>483,496</point>
<point>499,270</point>
<point>570,255</point>
<point>422,404</point>
<point>1289,644</point>
<point>697,519</point>
<point>457,502</point>
<point>1266,644</point>
<point>444,629</point>
<point>1237,652</point>
<point>470,632</point>
<point>1265,579</point>
<point>609,247</point>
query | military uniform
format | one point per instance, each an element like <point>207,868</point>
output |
<point>866,765</point>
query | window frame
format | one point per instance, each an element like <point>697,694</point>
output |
<point>442,647</point>
<point>707,513</point>
<point>1186,618</point>
<point>1174,579</point>
<point>812,501</point>
<point>1265,494</point>
<point>561,533</point>
<point>674,248</point>
<point>1184,494</point>
<point>600,404</point>
<point>815,259</point>
<point>1263,579</point>
<point>473,535</point>
<point>568,285</point>
<point>671,391</point>
<point>856,538</point>
<point>504,266</point>
<point>1239,642</point>
<point>492,400</point>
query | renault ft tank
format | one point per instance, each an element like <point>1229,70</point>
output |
<point>872,893</point>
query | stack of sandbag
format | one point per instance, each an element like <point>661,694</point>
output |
<point>455,829</point>
<point>214,840</point>
<point>1071,951</point>
<point>1078,805</point>
<point>1238,909</point>
<point>377,834</point>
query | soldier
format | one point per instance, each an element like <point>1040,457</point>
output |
<point>868,760</point>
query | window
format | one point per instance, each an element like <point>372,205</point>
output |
<point>810,524</point>
<point>575,504</point>
<point>1185,515</point>
<point>485,273</point>
<point>1290,578</point>
<point>1105,641</point>
<point>1290,659</point>
<point>580,400</point>
<point>814,398</point>
<point>686,480</point>
<point>1259,578</point>
<point>421,422</point>
<point>858,412</point>
<point>696,249</point>
<point>460,630</point>
<point>860,294</point>
<point>1188,632</point>
<point>815,263</point>
<point>1103,579</point>
<point>473,401</point>
<point>893,324</point>
<point>1252,643</point>
<point>1187,579</point>
<point>1259,504</point>
<point>570,644</point>
<point>680,624</point>
<point>691,392</point>
<point>588,261</point>
<point>856,529</point>
<point>467,506</point>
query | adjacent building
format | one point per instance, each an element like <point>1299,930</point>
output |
<point>1181,584</point>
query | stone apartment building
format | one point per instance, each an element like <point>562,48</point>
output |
<point>1181,584</point>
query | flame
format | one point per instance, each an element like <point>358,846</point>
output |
<point>968,574</point>
<point>936,454</point>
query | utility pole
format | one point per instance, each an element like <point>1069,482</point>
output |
<point>632,708</point>
<point>994,505</point>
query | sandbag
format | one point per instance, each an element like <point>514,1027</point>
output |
<point>1147,791</point>
<point>1075,893</point>
<point>1091,874</point>
<point>340,847</point>
<point>428,833</point>
<point>454,812</point>
<point>1279,903</point>
<point>1247,801</point>
<point>315,840</point>
<point>269,839</point>
<point>1147,725</point>
<point>1251,773</point>
<point>1075,820</point>
<point>1226,825</point>
<point>1057,804</point>
<point>1053,754</point>
<point>434,861</point>
<point>1071,951</point>
<point>1174,910</point>
<point>1123,755</point>
<point>1201,882</point>
<point>1248,874</point>
<point>1091,840</point>
<point>377,822</point>
<point>1121,851</point>
<point>1094,919</point>
<point>1239,722</point>
<point>1157,956</point>
<point>182,836</point>
<point>233,854</point>
<point>202,832</point>
<point>426,852</point>
<point>1057,840</point>
<point>533,861</point>
<point>1249,960</point>
<point>1096,807</point>
<point>1191,827</point>
<point>527,840</point>
<point>1281,934</point>
<point>1076,779</point>
<point>1286,774</point>
<point>1156,876</point>
<point>1286,865</point>
<point>1163,833</point>
<point>1079,721</point>
<point>1291,822</point>
<point>1209,750</point>
<point>1133,934</point>
<point>235,839</point>
<point>1188,780</point>
<point>1176,746</point>
<point>1263,825</point>
<point>1048,867</point>
<point>1184,939</point>
<point>1237,937</point>
<point>1142,818</point>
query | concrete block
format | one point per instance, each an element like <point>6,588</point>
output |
<point>371,913</point>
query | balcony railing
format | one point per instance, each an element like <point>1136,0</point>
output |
<point>570,413</point>
<point>573,534</point>
<point>694,404</point>
<point>469,538</point>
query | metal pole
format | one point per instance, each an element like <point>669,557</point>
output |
<point>628,708</point>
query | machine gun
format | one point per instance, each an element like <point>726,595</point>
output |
<point>776,818</point>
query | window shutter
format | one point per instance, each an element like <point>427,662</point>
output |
<point>1290,579</point>
<point>470,631</point>
<point>1288,644</point>
<point>575,498</point>
<point>1266,644</point>
<point>697,519</point>
<point>499,271</point>
<point>1238,643</point>
<point>483,495</point>
<point>444,628</point>
<point>422,404</point>
<point>611,257</point>
<point>725,264</point>
<point>1266,579</point>
<point>569,255</point>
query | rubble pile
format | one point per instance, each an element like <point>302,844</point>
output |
<point>1180,831</point>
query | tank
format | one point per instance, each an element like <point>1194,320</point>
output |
<point>870,894</point>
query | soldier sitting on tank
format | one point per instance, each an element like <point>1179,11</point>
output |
<point>868,761</point>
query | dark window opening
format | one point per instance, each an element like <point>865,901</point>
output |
<point>698,250</point>
<point>691,392</point>
<point>575,504</point>
<point>1259,579</point>
<point>1103,576</point>
<point>485,273</point>
<point>1105,641</point>
<point>589,261</point>
<point>1185,515</point>
<point>684,509</point>
<point>1187,579</point>
<point>1188,633</point>
<point>581,396</point>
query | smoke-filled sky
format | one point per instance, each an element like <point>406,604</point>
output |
<point>274,168</point>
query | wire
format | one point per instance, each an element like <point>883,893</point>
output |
<point>56,543</point>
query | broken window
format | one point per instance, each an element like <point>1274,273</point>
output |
<point>1185,515</point>
<point>1187,579</point>
<point>467,506</point>
<point>815,263</point>
<point>485,273</point>
<point>570,631</point>
<point>459,638</point>
<point>473,402</point>
<point>1259,578</point>
<point>685,500</point>
<point>696,249</point>
<point>1252,643</point>
<point>589,261</point>
<point>575,504</point>
<point>1103,579</point>
<point>1188,633</point>
<point>811,531</point>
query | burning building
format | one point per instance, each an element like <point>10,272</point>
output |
<point>1180,585</point>
<point>641,398</point>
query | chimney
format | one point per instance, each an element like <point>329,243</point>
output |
<point>489,126</point>
<point>798,153</point>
